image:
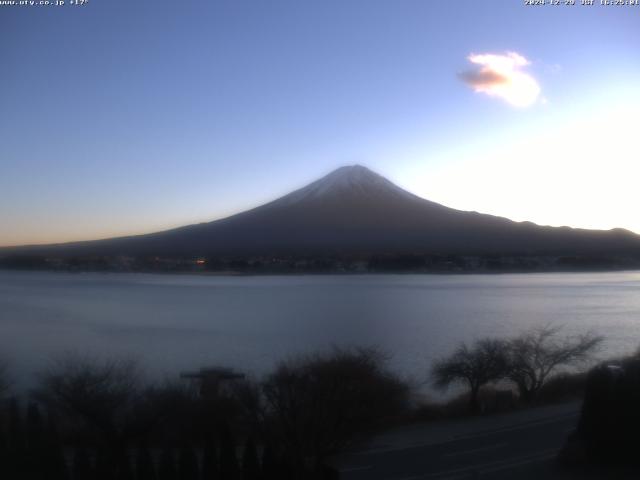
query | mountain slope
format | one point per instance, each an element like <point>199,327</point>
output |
<point>354,210</point>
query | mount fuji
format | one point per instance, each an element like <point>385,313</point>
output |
<point>353,210</point>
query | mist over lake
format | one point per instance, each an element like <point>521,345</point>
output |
<point>178,322</point>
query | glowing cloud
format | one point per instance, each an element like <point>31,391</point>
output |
<point>502,76</point>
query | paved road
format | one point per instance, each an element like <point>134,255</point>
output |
<point>519,445</point>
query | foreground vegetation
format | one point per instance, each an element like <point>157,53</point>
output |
<point>100,419</point>
<point>527,361</point>
<point>607,431</point>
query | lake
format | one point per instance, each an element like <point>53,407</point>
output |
<point>180,322</point>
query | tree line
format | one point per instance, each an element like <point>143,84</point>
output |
<point>527,361</point>
<point>101,419</point>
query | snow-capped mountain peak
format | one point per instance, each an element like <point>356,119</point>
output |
<point>353,180</point>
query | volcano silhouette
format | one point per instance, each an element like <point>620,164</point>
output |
<point>354,210</point>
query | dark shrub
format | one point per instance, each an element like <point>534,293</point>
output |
<point>610,417</point>
<point>188,464</point>
<point>145,468</point>
<point>250,462</point>
<point>229,468</point>
<point>562,387</point>
<point>167,466</point>
<point>321,403</point>
<point>82,465</point>
<point>210,468</point>
<point>269,464</point>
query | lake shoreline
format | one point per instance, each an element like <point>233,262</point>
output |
<point>227,273</point>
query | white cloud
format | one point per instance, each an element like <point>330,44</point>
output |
<point>503,76</point>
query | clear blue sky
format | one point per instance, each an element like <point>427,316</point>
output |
<point>123,116</point>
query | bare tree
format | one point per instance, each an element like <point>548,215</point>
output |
<point>104,397</point>
<point>99,391</point>
<point>479,364</point>
<point>535,355</point>
<point>318,404</point>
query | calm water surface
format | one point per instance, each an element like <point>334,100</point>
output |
<point>177,322</point>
